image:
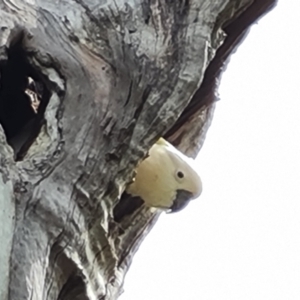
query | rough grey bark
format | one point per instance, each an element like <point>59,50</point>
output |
<point>114,76</point>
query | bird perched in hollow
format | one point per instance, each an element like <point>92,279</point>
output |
<point>166,179</point>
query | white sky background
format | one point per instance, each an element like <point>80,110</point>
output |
<point>241,239</point>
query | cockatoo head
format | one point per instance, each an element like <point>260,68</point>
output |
<point>166,178</point>
<point>186,180</point>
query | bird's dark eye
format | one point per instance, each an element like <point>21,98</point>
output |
<point>180,174</point>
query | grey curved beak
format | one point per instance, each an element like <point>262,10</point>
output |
<point>182,199</point>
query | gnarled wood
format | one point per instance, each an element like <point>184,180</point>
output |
<point>113,76</point>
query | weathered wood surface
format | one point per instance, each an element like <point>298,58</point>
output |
<point>116,75</point>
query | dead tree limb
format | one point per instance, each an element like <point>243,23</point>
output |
<point>110,77</point>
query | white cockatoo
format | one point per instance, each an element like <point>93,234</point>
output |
<point>166,179</point>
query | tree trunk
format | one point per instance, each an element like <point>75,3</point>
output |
<point>109,78</point>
